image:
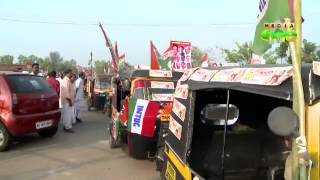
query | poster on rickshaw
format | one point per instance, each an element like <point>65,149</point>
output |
<point>162,97</point>
<point>316,68</point>
<point>175,128</point>
<point>179,109</point>
<point>160,73</point>
<point>203,75</point>
<point>267,76</point>
<point>181,91</point>
<point>162,85</point>
<point>181,54</point>
<point>228,75</point>
<point>186,74</point>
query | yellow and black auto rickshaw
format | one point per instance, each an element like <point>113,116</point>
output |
<point>150,86</point>
<point>237,123</point>
<point>100,91</point>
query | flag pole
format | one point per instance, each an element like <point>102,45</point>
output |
<point>298,166</point>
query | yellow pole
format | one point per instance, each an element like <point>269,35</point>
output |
<point>298,94</point>
<point>298,25</point>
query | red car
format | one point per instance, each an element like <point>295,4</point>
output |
<point>27,105</point>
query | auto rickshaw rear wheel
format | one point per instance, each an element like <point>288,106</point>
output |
<point>140,147</point>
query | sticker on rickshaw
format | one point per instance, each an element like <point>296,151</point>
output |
<point>179,109</point>
<point>267,76</point>
<point>175,127</point>
<point>203,75</point>
<point>316,68</point>
<point>160,73</point>
<point>162,85</point>
<point>228,75</point>
<point>181,91</point>
<point>170,172</point>
<point>187,73</point>
<point>162,97</point>
<point>165,117</point>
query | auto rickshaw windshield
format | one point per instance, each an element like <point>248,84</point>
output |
<point>103,83</point>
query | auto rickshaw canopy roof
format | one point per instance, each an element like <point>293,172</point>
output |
<point>146,73</point>
<point>268,80</point>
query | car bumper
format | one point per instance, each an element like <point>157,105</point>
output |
<point>25,124</point>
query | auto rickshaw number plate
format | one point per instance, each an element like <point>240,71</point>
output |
<point>170,172</point>
<point>165,117</point>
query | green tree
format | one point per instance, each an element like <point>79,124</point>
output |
<point>55,61</point>
<point>309,52</point>
<point>242,53</point>
<point>271,57</point>
<point>318,54</point>
<point>196,56</point>
<point>6,59</point>
<point>282,50</point>
<point>99,66</point>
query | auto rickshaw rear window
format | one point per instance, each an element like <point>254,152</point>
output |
<point>251,149</point>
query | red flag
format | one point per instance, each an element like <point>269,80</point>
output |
<point>122,58</point>
<point>154,57</point>
<point>109,45</point>
<point>205,57</point>
<point>116,51</point>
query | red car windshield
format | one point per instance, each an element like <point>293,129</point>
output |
<point>29,84</point>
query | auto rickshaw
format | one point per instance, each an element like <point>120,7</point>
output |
<point>151,86</point>
<point>237,123</point>
<point>100,91</point>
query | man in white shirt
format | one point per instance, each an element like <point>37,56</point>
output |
<point>80,101</point>
<point>36,70</point>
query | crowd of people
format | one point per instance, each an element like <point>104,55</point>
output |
<point>70,89</point>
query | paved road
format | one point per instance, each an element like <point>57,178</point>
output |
<point>82,155</point>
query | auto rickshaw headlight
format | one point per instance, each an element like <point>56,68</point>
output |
<point>196,178</point>
<point>283,121</point>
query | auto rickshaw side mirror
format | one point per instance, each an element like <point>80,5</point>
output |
<point>215,114</point>
<point>283,121</point>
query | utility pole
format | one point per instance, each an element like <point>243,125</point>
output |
<point>91,64</point>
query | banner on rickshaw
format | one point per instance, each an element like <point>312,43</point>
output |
<point>203,75</point>
<point>160,73</point>
<point>162,97</point>
<point>181,91</point>
<point>142,116</point>
<point>181,55</point>
<point>162,85</point>
<point>228,75</point>
<point>316,67</point>
<point>175,128</point>
<point>187,73</point>
<point>267,76</point>
<point>179,109</point>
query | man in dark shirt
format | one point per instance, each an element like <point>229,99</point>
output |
<point>53,82</point>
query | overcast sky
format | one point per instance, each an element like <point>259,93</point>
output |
<point>34,26</point>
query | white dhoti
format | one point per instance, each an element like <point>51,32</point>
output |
<point>80,105</point>
<point>67,115</point>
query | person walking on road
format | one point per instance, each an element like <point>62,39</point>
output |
<point>67,101</point>
<point>73,94</point>
<point>55,84</point>
<point>80,101</point>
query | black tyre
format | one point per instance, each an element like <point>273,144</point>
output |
<point>47,133</point>
<point>5,138</point>
<point>140,147</point>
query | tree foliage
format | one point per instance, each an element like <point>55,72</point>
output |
<point>6,59</point>
<point>282,50</point>
<point>196,56</point>
<point>243,52</point>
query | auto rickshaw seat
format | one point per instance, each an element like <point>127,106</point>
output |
<point>255,150</point>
